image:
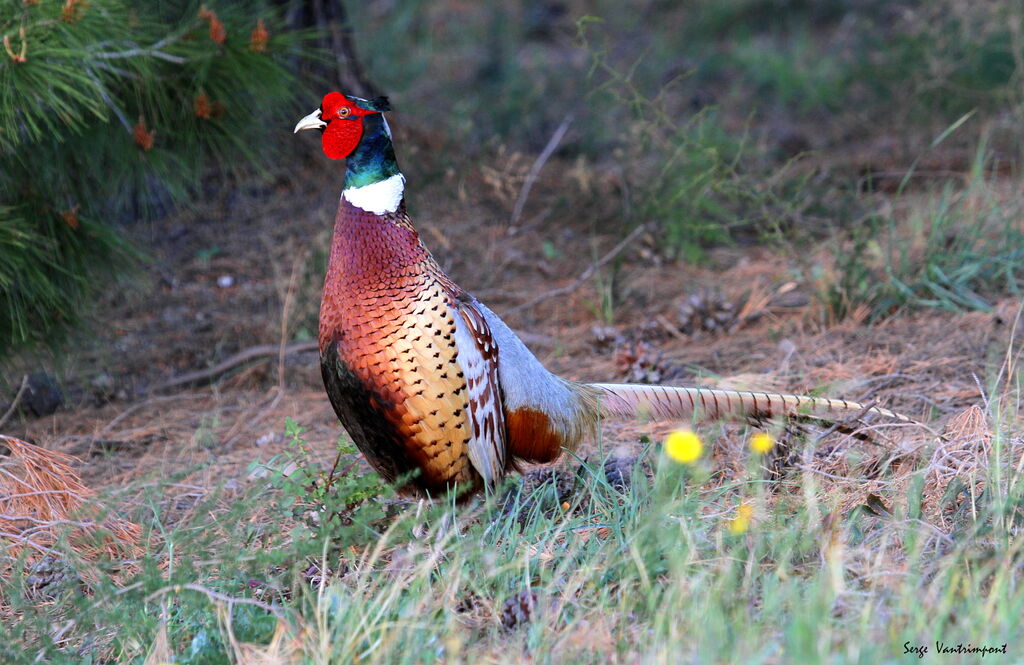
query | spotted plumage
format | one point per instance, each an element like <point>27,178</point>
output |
<point>430,384</point>
<point>389,326</point>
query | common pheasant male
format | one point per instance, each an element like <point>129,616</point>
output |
<point>427,380</point>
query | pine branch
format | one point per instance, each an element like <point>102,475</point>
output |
<point>155,50</point>
<point>108,101</point>
<point>107,113</point>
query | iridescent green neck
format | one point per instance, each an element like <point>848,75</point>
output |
<point>373,160</point>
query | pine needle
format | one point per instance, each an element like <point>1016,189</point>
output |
<point>41,497</point>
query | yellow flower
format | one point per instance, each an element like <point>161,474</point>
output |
<point>683,446</point>
<point>741,522</point>
<point>738,525</point>
<point>761,442</point>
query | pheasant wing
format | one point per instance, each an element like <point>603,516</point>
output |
<point>478,357</point>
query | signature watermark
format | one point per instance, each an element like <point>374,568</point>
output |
<point>921,650</point>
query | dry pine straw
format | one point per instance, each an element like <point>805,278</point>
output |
<point>41,496</point>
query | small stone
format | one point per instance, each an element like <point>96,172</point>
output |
<point>269,437</point>
<point>42,396</point>
<point>225,281</point>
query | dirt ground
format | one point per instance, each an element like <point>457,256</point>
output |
<point>211,292</point>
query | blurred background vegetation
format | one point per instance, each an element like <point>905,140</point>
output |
<point>712,121</point>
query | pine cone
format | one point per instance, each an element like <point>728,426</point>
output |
<point>468,602</point>
<point>619,472</point>
<point>706,311</point>
<point>640,363</point>
<point>48,578</point>
<point>605,338</point>
<point>519,610</point>
<point>564,482</point>
<point>535,489</point>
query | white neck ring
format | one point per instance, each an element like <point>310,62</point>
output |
<point>380,197</point>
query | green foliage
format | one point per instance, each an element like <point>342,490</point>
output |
<point>892,63</point>
<point>691,101</point>
<point>688,103</point>
<point>959,248</point>
<point>798,76</point>
<point>44,266</point>
<point>954,56</point>
<point>686,174</point>
<point>662,562</point>
<point>207,646</point>
<point>333,507</point>
<point>115,110</point>
<point>470,73</point>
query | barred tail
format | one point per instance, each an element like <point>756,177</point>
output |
<point>671,403</point>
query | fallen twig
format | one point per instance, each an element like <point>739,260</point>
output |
<point>538,164</point>
<point>17,399</point>
<point>586,274</point>
<point>261,352</point>
<point>671,328</point>
<point>215,596</point>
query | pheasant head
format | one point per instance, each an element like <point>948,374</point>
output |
<point>354,129</point>
<point>341,121</point>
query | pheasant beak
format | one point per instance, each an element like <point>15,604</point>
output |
<point>311,121</point>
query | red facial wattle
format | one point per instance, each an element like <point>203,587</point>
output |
<point>344,125</point>
<point>341,137</point>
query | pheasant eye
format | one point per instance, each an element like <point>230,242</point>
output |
<point>344,112</point>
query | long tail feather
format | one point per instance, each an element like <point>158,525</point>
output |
<point>671,403</point>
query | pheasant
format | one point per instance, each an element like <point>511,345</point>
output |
<point>430,384</point>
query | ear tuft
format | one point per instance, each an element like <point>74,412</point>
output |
<point>380,104</point>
